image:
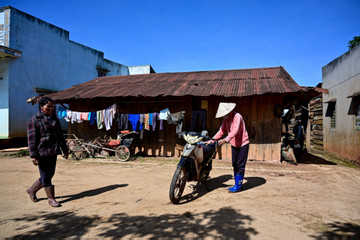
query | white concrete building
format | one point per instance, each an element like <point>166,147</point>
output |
<point>144,69</point>
<point>37,58</point>
<point>341,107</point>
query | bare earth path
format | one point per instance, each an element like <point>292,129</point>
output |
<point>130,200</point>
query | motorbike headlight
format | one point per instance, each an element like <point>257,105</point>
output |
<point>192,139</point>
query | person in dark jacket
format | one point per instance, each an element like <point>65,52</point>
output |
<point>45,139</point>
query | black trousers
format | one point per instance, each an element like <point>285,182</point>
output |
<point>47,167</point>
<point>239,158</point>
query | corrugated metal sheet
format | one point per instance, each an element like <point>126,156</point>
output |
<point>226,83</point>
<point>315,90</point>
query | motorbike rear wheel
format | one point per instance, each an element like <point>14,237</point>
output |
<point>177,185</point>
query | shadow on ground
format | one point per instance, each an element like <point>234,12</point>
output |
<point>90,193</point>
<point>308,158</point>
<point>338,230</point>
<point>223,224</point>
<point>199,189</point>
<point>252,182</point>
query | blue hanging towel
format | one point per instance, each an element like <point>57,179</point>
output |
<point>92,118</point>
<point>61,112</point>
<point>134,119</point>
<point>150,119</point>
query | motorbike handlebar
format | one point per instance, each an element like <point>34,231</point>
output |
<point>196,134</point>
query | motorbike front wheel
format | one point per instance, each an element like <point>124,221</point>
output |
<point>177,185</point>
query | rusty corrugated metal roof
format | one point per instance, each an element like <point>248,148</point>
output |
<point>314,90</point>
<point>226,83</point>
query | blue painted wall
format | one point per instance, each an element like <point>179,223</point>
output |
<point>49,60</point>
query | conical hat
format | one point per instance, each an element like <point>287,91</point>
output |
<point>224,109</point>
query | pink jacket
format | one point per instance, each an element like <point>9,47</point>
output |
<point>234,126</point>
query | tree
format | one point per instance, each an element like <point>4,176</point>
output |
<point>354,42</point>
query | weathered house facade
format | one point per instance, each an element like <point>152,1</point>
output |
<point>259,94</point>
<point>341,107</point>
<point>37,58</point>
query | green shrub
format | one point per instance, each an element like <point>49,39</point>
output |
<point>20,153</point>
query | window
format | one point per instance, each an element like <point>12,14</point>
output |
<point>101,73</point>
<point>331,112</point>
<point>356,106</point>
<point>355,109</point>
<point>333,118</point>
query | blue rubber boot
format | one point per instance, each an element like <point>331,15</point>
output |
<point>238,184</point>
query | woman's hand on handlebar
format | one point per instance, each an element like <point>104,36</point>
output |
<point>209,142</point>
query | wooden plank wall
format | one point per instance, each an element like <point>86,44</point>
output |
<point>159,142</point>
<point>264,129</point>
<point>258,112</point>
<point>316,125</point>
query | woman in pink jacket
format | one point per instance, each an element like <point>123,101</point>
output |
<point>234,126</point>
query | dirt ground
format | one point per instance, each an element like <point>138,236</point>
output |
<point>109,199</point>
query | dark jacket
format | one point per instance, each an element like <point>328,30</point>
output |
<point>45,136</point>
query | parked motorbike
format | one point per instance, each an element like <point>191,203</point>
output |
<point>291,149</point>
<point>195,164</point>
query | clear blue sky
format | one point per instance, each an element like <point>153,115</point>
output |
<point>200,35</point>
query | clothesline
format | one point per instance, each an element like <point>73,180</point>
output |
<point>101,117</point>
<point>139,122</point>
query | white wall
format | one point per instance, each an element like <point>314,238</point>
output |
<point>144,69</point>
<point>4,98</point>
<point>342,78</point>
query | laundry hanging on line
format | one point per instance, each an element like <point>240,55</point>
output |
<point>138,122</point>
<point>102,117</point>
